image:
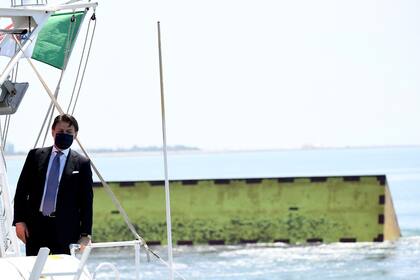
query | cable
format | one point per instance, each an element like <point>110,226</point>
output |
<point>43,124</point>
<point>80,65</point>
<point>93,18</point>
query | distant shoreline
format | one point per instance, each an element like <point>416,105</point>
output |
<point>111,151</point>
<point>172,150</point>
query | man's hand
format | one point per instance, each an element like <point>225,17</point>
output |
<point>83,242</point>
<point>22,231</point>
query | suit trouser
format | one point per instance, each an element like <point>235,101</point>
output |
<point>46,235</point>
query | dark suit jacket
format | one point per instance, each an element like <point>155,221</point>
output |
<point>74,199</point>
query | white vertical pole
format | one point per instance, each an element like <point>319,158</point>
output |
<point>39,264</point>
<point>137,259</point>
<point>165,161</point>
<point>82,262</point>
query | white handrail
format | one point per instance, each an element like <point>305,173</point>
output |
<point>115,244</point>
<point>39,263</point>
<point>137,260</point>
<point>82,263</point>
<point>135,243</point>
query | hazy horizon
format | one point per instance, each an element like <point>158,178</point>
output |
<point>183,148</point>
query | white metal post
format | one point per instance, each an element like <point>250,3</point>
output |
<point>82,262</point>
<point>39,264</point>
<point>165,161</point>
<point>137,259</point>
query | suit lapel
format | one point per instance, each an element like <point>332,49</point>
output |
<point>68,168</point>
<point>44,158</point>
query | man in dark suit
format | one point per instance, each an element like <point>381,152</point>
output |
<point>54,198</point>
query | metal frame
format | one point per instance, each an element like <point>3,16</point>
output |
<point>39,264</point>
<point>40,15</point>
<point>36,2</point>
<point>134,243</point>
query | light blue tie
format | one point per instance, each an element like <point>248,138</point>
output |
<point>52,186</point>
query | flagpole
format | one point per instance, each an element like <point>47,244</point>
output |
<point>165,161</point>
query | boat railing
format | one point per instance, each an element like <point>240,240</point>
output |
<point>19,3</point>
<point>39,264</point>
<point>41,259</point>
<point>136,244</point>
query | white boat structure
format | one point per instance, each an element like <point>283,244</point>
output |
<point>26,34</point>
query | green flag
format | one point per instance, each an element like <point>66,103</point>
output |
<point>56,39</point>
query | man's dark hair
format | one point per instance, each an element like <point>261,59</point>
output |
<point>68,119</point>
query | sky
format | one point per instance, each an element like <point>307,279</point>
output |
<point>242,75</point>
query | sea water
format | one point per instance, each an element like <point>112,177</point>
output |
<point>387,260</point>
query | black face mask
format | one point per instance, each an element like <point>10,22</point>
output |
<point>63,140</point>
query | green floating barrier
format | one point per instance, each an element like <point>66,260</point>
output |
<point>233,211</point>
